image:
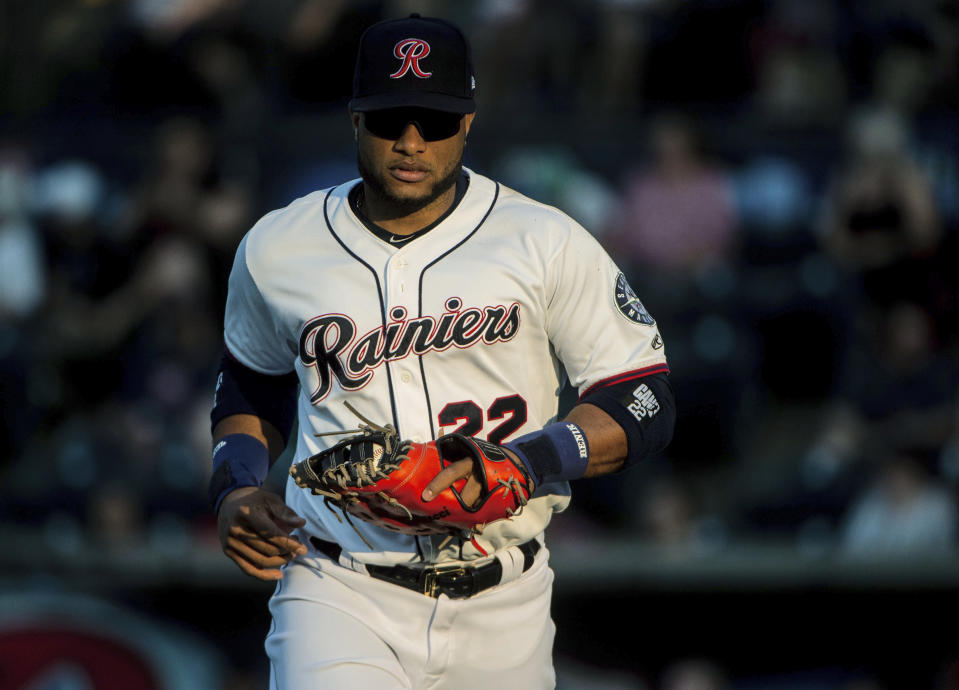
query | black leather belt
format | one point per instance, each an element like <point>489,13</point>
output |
<point>455,581</point>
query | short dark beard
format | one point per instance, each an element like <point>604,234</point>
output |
<point>403,207</point>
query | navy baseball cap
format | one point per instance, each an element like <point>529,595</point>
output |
<point>414,62</point>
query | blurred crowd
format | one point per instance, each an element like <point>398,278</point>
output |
<point>779,179</point>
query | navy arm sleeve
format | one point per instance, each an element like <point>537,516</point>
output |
<point>241,390</point>
<point>644,408</point>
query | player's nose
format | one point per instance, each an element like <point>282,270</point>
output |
<point>411,140</point>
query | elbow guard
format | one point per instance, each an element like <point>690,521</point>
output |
<point>644,408</point>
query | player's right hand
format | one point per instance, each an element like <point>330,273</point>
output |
<point>254,527</point>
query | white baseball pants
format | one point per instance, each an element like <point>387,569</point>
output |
<point>336,629</point>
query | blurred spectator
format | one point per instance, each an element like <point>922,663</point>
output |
<point>614,61</point>
<point>187,203</point>
<point>800,80</point>
<point>22,273</point>
<point>880,207</point>
<point>229,67</point>
<point>907,54</point>
<point>670,516</point>
<point>880,219</point>
<point>904,512</point>
<point>554,176</point>
<point>900,388</point>
<point>773,196</point>
<point>115,516</point>
<point>902,77</point>
<point>181,168</point>
<point>938,157</point>
<point>678,215</point>
<point>57,60</point>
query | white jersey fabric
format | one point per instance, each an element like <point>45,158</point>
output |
<point>471,326</point>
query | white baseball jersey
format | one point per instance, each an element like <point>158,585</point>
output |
<point>469,327</point>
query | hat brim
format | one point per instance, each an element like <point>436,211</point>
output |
<point>413,99</point>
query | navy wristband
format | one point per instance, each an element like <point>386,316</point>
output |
<point>558,452</point>
<point>238,460</point>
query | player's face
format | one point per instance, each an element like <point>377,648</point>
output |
<point>410,157</point>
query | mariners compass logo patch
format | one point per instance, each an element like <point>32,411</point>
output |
<point>629,304</point>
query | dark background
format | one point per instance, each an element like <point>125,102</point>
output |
<point>779,179</point>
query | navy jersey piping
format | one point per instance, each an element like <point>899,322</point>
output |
<point>379,293</point>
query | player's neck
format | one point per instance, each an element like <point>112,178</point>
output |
<point>399,221</point>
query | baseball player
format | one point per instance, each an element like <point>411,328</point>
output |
<point>447,311</point>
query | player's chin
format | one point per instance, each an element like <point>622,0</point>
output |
<point>413,193</point>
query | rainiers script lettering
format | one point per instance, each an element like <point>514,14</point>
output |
<point>329,344</point>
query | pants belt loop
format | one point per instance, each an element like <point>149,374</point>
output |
<point>352,564</point>
<point>512,561</point>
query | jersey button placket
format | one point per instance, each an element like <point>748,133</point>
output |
<point>400,265</point>
<point>405,377</point>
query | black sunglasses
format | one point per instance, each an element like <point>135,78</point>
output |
<point>433,125</point>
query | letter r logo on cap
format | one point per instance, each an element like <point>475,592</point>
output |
<point>411,51</point>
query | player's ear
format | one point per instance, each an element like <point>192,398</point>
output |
<point>467,122</point>
<point>355,119</point>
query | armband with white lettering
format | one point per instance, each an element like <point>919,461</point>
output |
<point>645,409</point>
<point>558,452</point>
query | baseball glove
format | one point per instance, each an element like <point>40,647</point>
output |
<point>380,479</point>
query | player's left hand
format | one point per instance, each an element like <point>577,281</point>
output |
<point>461,469</point>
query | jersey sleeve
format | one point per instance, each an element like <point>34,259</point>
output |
<point>251,329</point>
<point>598,326</point>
